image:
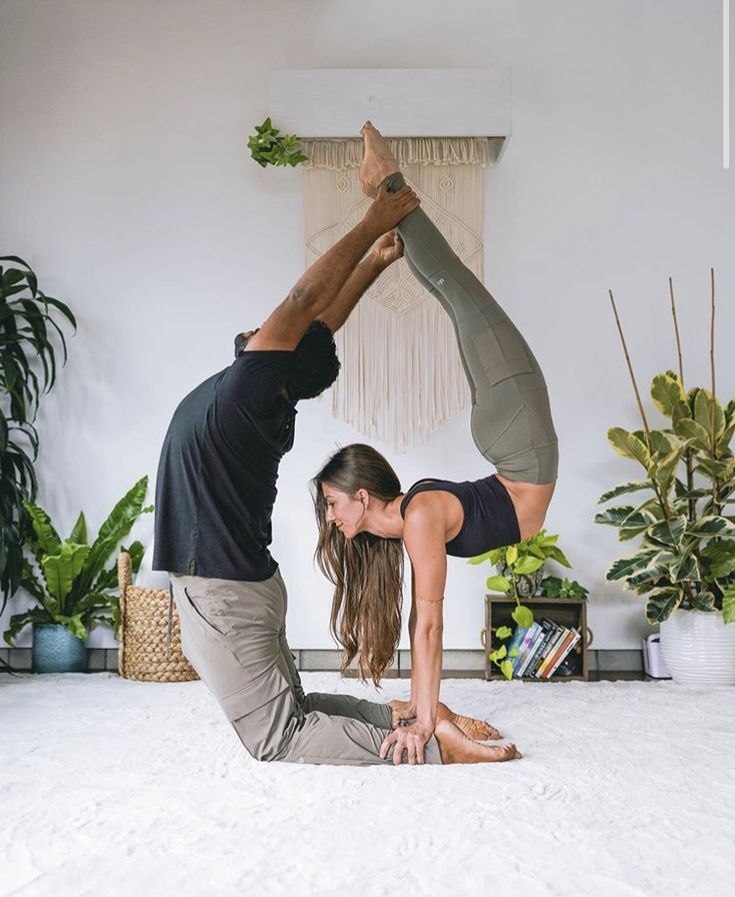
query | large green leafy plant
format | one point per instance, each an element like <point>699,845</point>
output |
<point>686,550</point>
<point>69,578</point>
<point>28,335</point>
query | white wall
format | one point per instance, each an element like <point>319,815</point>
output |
<point>126,184</point>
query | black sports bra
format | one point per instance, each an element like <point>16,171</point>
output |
<point>489,516</point>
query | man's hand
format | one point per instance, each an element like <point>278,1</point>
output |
<point>387,209</point>
<point>406,738</point>
<point>401,710</point>
<point>388,249</point>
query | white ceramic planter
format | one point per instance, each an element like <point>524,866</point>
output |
<point>698,648</point>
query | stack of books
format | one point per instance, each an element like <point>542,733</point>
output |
<point>541,648</point>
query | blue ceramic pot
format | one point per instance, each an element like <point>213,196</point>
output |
<point>56,650</point>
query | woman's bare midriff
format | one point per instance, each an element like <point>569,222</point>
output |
<point>531,502</point>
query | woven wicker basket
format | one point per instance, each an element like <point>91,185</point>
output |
<point>142,640</point>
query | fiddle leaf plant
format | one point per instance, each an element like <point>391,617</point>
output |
<point>30,338</point>
<point>684,526</point>
<point>69,579</point>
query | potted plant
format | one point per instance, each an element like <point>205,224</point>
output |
<point>269,147</point>
<point>71,583</point>
<point>684,564</point>
<point>28,363</point>
<point>520,575</point>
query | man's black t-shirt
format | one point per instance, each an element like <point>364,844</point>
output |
<point>217,475</point>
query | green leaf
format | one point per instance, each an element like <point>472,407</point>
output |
<point>511,555</point>
<point>523,616</point>
<point>666,468</point>
<point>507,669</point>
<point>666,392</point>
<point>668,532</point>
<point>634,563</point>
<point>615,516</point>
<point>47,539</point>
<point>527,565</point>
<point>78,534</point>
<point>708,527</point>
<point>662,603</point>
<point>685,569</point>
<point>659,568</point>
<point>556,554</point>
<point>629,446</point>
<point>480,559</point>
<point>497,584</point>
<point>721,556</point>
<point>728,604</point>
<point>119,523</point>
<point>62,569</point>
<point>500,653</point>
<point>624,489</point>
<point>716,470</point>
<point>514,652</point>
<point>694,433</point>
<point>703,601</point>
<point>708,412</point>
<point>504,632</point>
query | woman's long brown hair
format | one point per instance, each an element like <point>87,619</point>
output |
<point>367,570</point>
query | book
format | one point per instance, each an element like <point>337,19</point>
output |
<point>528,638</point>
<point>532,649</point>
<point>516,641</point>
<point>561,636</point>
<point>549,629</point>
<point>575,638</point>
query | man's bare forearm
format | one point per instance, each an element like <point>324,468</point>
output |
<point>322,281</point>
<point>354,287</point>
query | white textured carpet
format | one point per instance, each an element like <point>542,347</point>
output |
<point>111,787</point>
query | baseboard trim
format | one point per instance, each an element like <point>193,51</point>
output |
<point>466,663</point>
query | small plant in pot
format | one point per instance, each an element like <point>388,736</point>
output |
<point>685,561</point>
<point>520,574</point>
<point>71,583</point>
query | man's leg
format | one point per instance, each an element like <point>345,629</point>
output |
<point>231,634</point>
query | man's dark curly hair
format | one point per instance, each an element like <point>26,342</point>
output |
<point>314,366</point>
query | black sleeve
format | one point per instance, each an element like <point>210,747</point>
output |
<point>255,379</point>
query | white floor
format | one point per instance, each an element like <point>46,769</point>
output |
<point>112,787</point>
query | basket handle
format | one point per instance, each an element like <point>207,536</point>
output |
<point>124,571</point>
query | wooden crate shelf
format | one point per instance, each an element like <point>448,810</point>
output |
<point>571,612</point>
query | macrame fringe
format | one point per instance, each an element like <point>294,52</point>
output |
<point>407,371</point>
<point>342,153</point>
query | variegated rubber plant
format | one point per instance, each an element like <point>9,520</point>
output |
<point>686,551</point>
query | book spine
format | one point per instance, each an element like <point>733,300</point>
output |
<point>533,645</point>
<point>559,638</point>
<point>526,644</point>
<point>575,638</point>
<point>549,629</point>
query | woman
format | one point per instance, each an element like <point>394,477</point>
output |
<point>363,515</point>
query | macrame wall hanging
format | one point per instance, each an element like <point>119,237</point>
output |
<point>401,372</point>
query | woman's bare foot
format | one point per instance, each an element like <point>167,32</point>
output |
<point>476,729</point>
<point>378,161</point>
<point>455,747</point>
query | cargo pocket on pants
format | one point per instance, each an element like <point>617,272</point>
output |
<point>260,712</point>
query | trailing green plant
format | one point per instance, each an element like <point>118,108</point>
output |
<point>28,366</point>
<point>69,578</point>
<point>517,561</point>
<point>269,147</point>
<point>686,551</point>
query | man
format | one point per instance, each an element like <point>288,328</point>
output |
<point>214,499</point>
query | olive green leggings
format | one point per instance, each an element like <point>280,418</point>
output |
<point>511,417</point>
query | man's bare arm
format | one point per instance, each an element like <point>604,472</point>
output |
<point>387,250</point>
<point>321,283</point>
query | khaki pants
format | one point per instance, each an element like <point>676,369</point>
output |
<point>234,635</point>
